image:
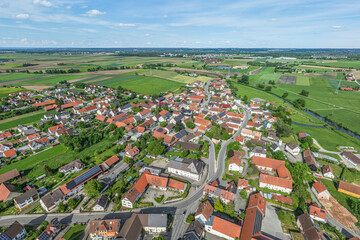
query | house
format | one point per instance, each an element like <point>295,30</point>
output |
<point>216,192</point>
<point>53,129</point>
<point>15,231</point>
<point>195,231</point>
<point>76,184</point>
<point>317,214</point>
<point>71,167</point>
<point>243,184</point>
<point>8,192</point>
<point>328,172</point>
<point>27,198</point>
<point>235,164</point>
<point>51,231</point>
<point>258,152</point>
<point>281,182</point>
<point>101,203</point>
<point>51,200</point>
<point>223,228</point>
<point>292,149</point>
<point>10,153</point>
<point>204,212</point>
<point>188,168</point>
<point>131,152</point>
<point>274,147</point>
<point>353,159</point>
<point>188,146</point>
<point>5,135</point>
<point>150,223</point>
<point>251,134</point>
<point>306,227</point>
<point>110,162</point>
<point>240,139</point>
<point>9,175</point>
<point>147,179</point>
<point>310,160</point>
<point>255,212</point>
<point>105,229</point>
<point>349,189</point>
<point>4,147</point>
<point>320,191</point>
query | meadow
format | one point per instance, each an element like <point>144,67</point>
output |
<point>8,77</point>
<point>48,81</point>
<point>25,119</point>
<point>142,84</point>
<point>173,76</point>
<point>4,92</point>
<point>341,64</point>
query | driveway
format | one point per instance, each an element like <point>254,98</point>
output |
<point>271,224</point>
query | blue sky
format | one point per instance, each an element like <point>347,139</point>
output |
<point>173,23</point>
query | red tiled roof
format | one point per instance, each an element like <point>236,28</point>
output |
<point>175,184</point>
<point>101,118</point>
<point>225,227</point>
<point>206,209</point>
<point>112,160</point>
<point>10,153</point>
<point>317,212</point>
<point>55,128</point>
<point>9,175</point>
<point>276,181</point>
<point>349,187</point>
<point>41,104</point>
<point>235,160</point>
<point>319,187</point>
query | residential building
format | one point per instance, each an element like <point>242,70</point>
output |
<point>105,229</point>
<point>320,191</point>
<point>27,198</point>
<point>328,172</point>
<point>251,134</point>
<point>131,152</point>
<point>51,231</point>
<point>51,200</point>
<point>310,160</point>
<point>204,212</point>
<point>8,192</point>
<point>71,167</point>
<point>258,152</point>
<point>188,168</point>
<point>317,214</point>
<point>9,175</point>
<point>195,231</point>
<point>281,182</point>
<point>101,203</point>
<point>216,192</point>
<point>222,228</point>
<point>292,149</point>
<point>15,231</point>
<point>235,164</point>
<point>151,223</point>
<point>306,227</point>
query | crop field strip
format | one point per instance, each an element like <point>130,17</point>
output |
<point>287,79</point>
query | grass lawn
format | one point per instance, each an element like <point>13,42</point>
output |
<point>25,119</point>
<point>265,78</point>
<point>287,220</point>
<point>328,138</point>
<point>4,92</point>
<point>34,160</point>
<point>74,232</point>
<point>351,175</point>
<point>341,64</point>
<point>48,81</point>
<point>336,168</point>
<point>142,84</point>
<point>304,81</point>
<point>319,82</point>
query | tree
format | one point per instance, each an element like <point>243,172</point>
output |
<point>163,124</point>
<point>285,95</point>
<point>59,102</point>
<point>243,194</point>
<point>244,79</point>
<point>48,171</point>
<point>156,147</point>
<point>279,155</point>
<point>72,203</point>
<point>304,93</point>
<point>268,88</point>
<point>184,153</point>
<point>178,126</point>
<point>92,188</point>
<point>81,124</point>
<point>218,205</point>
<point>299,103</point>
<point>190,124</point>
<point>61,207</point>
<point>190,218</point>
<point>283,129</point>
<point>229,209</point>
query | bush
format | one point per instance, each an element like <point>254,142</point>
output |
<point>190,218</point>
<point>243,194</point>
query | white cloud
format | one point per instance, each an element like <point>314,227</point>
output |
<point>227,42</point>
<point>68,7</point>
<point>84,6</point>
<point>165,16</point>
<point>126,25</point>
<point>93,13</point>
<point>337,27</point>
<point>148,43</point>
<point>274,19</point>
<point>43,3</point>
<point>23,40</point>
<point>22,16</point>
<point>147,35</point>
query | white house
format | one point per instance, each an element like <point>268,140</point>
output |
<point>235,164</point>
<point>188,168</point>
<point>292,149</point>
<point>101,203</point>
<point>318,214</point>
<point>328,172</point>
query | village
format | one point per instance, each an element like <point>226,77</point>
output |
<point>219,160</point>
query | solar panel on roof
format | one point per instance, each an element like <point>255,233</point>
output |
<point>44,236</point>
<point>222,114</point>
<point>180,134</point>
<point>160,130</point>
<point>218,191</point>
<point>83,177</point>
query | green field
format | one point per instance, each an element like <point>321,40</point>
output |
<point>304,81</point>
<point>48,81</point>
<point>265,78</point>
<point>142,84</point>
<point>319,82</point>
<point>7,77</point>
<point>341,64</point>
<point>173,76</point>
<point>4,92</point>
<point>25,119</point>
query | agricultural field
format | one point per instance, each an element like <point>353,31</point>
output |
<point>173,76</point>
<point>8,77</point>
<point>142,84</point>
<point>340,64</point>
<point>265,78</point>
<point>49,80</point>
<point>4,92</point>
<point>28,118</point>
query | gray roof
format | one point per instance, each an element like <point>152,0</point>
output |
<point>157,220</point>
<point>50,198</point>
<point>188,165</point>
<point>102,201</point>
<point>26,195</point>
<point>258,149</point>
<point>13,230</point>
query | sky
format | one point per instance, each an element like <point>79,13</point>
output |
<point>174,23</point>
